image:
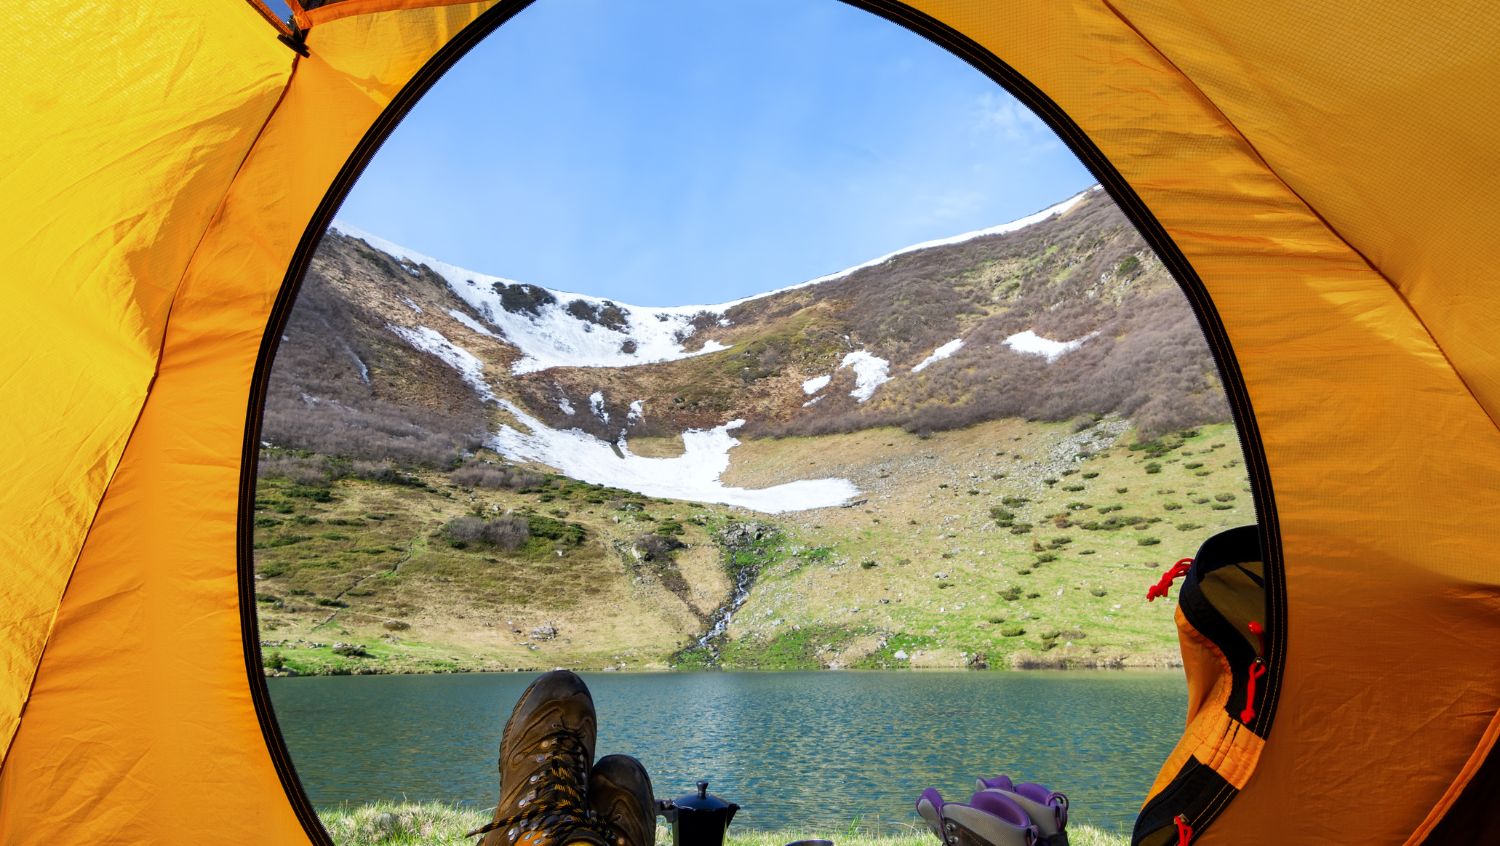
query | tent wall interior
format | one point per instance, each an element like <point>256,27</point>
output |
<point>1321,173</point>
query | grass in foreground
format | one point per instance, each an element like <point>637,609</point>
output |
<point>437,824</point>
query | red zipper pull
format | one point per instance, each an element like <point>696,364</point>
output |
<point>1260,633</point>
<point>1165,583</point>
<point>1184,831</point>
<point>1257,669</point>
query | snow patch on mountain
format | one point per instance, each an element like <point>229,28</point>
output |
<point>460,359</point>
<point>1030,343</point>
<point>694,475</point>
<point>359,363</point>
<point>816,383</point>
<point>870,372</point>
<point>567,407</point>
<point>945,351</point>
<point>596,402</point>
<point>637,412</point>
<point>471,323</point>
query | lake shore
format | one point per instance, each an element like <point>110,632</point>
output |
<point>439,824</point>
<point>282,659</point>
<point>1022,665</point>
<point>782,745</point>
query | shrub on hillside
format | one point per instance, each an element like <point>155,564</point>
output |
<point>669,527</point>
<point>311,471</point>
<point>653,547</point>
<point>481,475</point>
<point>566,534</point>
<point>508,533</point>
<point>380,471</point>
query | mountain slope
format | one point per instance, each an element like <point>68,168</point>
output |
<point>900,389</point>
<point>934,338</point>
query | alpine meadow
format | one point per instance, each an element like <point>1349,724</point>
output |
<point>975,452</point>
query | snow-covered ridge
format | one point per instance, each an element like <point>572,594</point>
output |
<point>558,328</point>
<point>553,328</point>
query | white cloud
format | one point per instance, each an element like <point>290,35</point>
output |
<point>1003,117</point>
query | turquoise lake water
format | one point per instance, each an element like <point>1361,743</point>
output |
<point>812,751</point>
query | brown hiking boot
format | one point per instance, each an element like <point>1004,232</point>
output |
<point>620,797</point>
<point>545,756</point>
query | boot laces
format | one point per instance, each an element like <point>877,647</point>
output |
<point>555,799</point>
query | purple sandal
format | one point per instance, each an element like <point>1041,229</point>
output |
<point>1046,809</point>
<point>990,819</point>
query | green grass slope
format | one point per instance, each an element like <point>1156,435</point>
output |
<point>1007,544</point>
<point>1011,544</point>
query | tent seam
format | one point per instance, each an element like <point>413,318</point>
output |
<point>141,412</point>
<point>1460,784</point>
<point>52,624</point>
<point>359,8</point>
<point>1255,151</point>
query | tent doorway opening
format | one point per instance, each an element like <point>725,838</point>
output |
<point>972,454</point>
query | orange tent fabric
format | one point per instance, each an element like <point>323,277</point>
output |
<point>1321,178</point>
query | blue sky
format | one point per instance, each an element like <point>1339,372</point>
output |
<point>677,151</point>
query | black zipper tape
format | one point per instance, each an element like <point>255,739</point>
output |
<point>1228,548</point>
<point>1193,794</point>
<point>384,125</point>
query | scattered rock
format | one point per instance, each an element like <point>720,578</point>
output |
<point>741,535</point>
<point>396,625</point>
<point>545,632</point>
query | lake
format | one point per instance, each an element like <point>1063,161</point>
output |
<point>813,751</point>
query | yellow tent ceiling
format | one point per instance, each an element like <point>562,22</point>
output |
<point>1323,175</point>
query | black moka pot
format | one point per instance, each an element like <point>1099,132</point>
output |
<point>698,819</point>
